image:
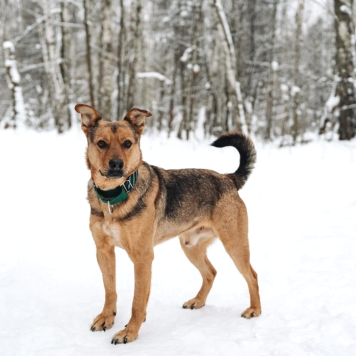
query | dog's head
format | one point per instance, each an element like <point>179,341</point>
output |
<point>113,151</point>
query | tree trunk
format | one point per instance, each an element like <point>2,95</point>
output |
<point>120,65</point>
<point>53,72</point>
<point>88,51</point>
<point>272,75</point>
<point>230,60</point>
<point>296,73</point>
<point>66,65</point>
<point>345,67</point>
<point>135,56</point>
<point>14,83</point>
<point>105,79</point>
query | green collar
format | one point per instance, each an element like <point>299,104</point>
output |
<point>118,194</point>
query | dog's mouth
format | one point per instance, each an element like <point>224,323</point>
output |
<point>113,173</point>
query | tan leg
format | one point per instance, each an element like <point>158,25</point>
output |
<point>197,256</point>
<point>236,245</point>
<point>143,267</point>
<point>105,254</point>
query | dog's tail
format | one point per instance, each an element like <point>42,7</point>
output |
<point>247,152</point>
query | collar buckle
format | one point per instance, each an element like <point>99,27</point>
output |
<point>129,187</point>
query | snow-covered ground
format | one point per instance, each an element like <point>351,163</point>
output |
<point>302,209</point>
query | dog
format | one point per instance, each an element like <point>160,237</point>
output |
<point>135,206</point>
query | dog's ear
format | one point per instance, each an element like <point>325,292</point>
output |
<point>90,117</point>
<point>137,118</point>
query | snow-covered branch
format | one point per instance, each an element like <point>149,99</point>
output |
<point>155,75</point>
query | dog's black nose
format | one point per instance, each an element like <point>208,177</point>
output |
<point>116,164</point>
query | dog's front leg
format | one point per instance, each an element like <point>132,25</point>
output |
<point>105,254</point>
<point>143,266</point>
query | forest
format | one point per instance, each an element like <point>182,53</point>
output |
<point>280,70</point>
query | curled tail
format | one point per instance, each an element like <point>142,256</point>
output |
<point>247,152</point>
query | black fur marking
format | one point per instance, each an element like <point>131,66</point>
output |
<point>160,184</point>
<point>92,133</point>
<point>132,127</point>
<point>114,127</point>
<point>96,212</point>
<point>136,210</point>
<point>193,190</point>
<point>247,155</point>
<point>175,194</point>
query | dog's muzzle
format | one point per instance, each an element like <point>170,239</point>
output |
<point>115,169</point>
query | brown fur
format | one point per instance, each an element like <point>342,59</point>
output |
<point>196,205</point>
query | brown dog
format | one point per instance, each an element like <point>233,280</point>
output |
<point>136,206</point>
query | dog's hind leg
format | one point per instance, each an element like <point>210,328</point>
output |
<point>235,241</point>
<point>197,256</point>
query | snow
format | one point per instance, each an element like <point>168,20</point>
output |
<point>274,66</point>
<point>344,32</point>
<point>346,9</point>
<point>302,208</point>
<point>156,75</point>
<point>295,90</point>
<point>196,68</point>
<point>187,53</point>
<point>284,88</point>
<point>8,45</point>
<point>332,102</point>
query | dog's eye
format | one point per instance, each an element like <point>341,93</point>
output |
<point>127,144</point>
<point>102,144</point>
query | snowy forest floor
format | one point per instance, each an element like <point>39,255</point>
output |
<point>302,210</point>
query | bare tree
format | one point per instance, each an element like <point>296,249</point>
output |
<point>121,64</point>
<point>345,91</point>
<point>106,72</point>
<point>18,115</point>
<point>296,71</point>
<point>272,78</point>
<point>54,75</point>
<point>67,61</point>
<point>228,47</point>
<point>89,52</point>
<point>134,55</point>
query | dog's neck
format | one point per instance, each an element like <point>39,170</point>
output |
<point>118,194</point>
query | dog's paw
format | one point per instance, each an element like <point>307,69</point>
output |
<point>194,303</point>
<point>251,313</point>
<point>103,321</point>
<point>124,336</point>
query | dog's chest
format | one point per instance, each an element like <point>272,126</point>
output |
<point>113,230</point>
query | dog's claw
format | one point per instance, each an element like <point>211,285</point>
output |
<point>193,306</point>
<point>125,325</point>
<point>184,307</point>
<point>92,328</point>
<point>116,341</point>
<point>125,340</point>
<point>104,328</point>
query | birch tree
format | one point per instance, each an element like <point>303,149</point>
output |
<point>135,55</point>
<point>18,115</point>
<point>106,71</point>
<point>53,72</point>
<point>272,77</point>
<point>230,60</point>
<point>89,52</point>
<point>296,71</point>
<point>67,62</point>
